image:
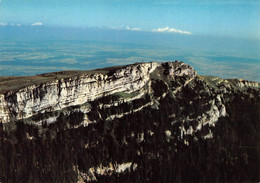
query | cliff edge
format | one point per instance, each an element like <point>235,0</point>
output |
<point>145,122</point>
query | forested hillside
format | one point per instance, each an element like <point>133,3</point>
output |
<point>177,128</point>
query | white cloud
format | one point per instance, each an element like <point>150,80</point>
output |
<point>10,24</point>
<point>161,29</point>
<point>132,29</point>
<point>37,24</point>
<point>172,30</point>
<point>3,24</point>
<point>126,28</point>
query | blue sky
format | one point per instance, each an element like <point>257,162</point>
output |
<point>235,18</point>
<point>216,37</point>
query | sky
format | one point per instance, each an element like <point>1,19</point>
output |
<point>228,18</point>
<point>216,37</point>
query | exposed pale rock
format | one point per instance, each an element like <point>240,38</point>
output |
<point>140,137</point>
<point>4,110</point>
<point>168,133</point>
<point>210,117</point>
<point>178,69</point>
<point>108,170</point>
<point>243,83</point>
<point>59,94</point>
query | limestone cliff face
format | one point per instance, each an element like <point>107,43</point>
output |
<point>244,84</point>
<point>117,123</point>
<point>58,94</point>
<point>4,110</point>
<point>61,93</point>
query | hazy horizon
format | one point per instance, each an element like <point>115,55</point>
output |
<point>219,38</point>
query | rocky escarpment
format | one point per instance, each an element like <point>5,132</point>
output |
<point>58,94</point>
<point>146,122</point>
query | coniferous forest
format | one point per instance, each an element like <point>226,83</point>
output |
<point>63,151</point>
